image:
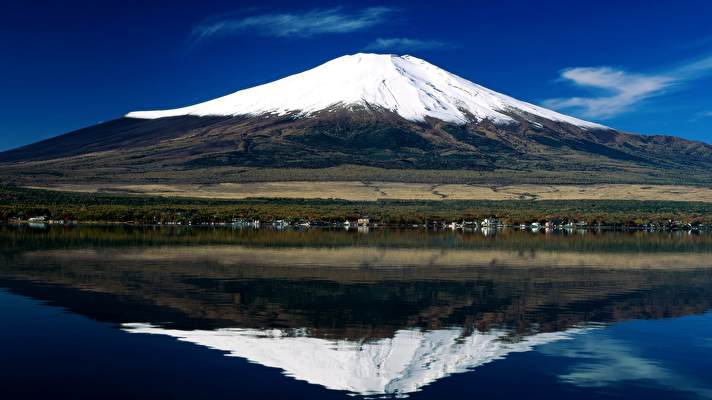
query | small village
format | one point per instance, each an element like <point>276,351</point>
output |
<point>487,225</point>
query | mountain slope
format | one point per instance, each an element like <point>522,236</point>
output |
<point>357,113</point>
<point>408,86</point>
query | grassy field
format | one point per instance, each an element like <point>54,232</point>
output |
<point>21,203</point>
<point>373,191</point>
<point>92,169</point>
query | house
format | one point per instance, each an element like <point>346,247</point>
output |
<point>363,221</point>
<point>489,222</point>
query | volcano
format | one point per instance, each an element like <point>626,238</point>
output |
<point>359,117</point>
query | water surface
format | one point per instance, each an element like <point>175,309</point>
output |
<point>128,312</point>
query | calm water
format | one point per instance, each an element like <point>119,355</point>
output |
<point>100,312</point>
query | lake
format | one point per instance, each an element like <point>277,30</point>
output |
<point>149,312</point>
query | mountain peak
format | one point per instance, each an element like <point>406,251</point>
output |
<point>379,111</point>
<point>406,85</point>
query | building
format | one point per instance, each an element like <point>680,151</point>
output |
<point>490,222</point>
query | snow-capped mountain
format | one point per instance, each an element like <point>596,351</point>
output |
<point>397,366</point>
<point>411,87</point>
<point>362,117</point>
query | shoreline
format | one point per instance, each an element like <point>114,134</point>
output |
<point>35,205</point>
<point>382,226</point>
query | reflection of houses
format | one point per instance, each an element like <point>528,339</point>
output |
<point>489,230</point>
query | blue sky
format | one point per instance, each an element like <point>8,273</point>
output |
<point>637,66</point>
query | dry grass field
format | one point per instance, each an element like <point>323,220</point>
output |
<point>371,191</point>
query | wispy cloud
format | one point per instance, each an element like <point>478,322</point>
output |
<point>405,44</point>
<point>304,24</point>
<point>623,90</point>
<point>601,361</point>
<point>705,114</point>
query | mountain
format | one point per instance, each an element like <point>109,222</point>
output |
<point>358,117</point>
<point>410,87</point>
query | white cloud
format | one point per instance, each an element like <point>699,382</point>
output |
<point>404,44</point>
<point>309,23</point>
<point>623,90</point>
<point>601,361</point>
<point>608,362</point>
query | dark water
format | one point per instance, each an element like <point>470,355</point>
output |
<point>101,312</point>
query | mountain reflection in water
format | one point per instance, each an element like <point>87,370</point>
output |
<point>384,313</point>
<point>395,365</point>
